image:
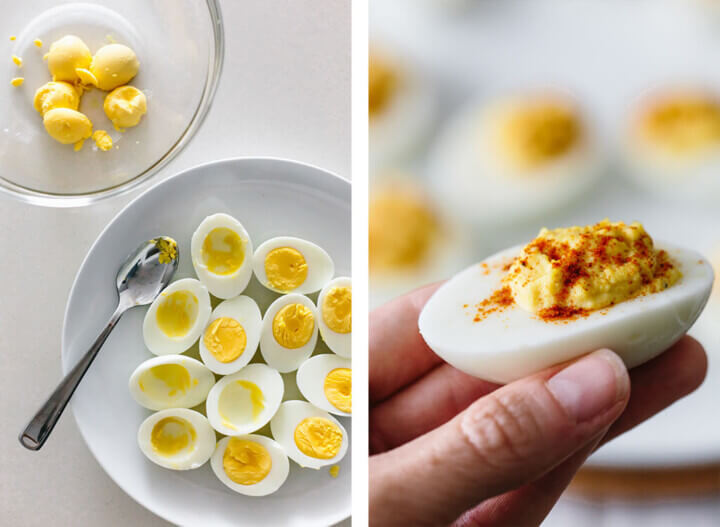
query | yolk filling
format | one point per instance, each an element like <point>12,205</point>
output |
<point>318,437</point>
<point>337,309</point>
<point>176,313</point>
<point>225,339</point>
<point>338,389</point>
<point>293,326</point>
<point>172,435</point>
<point>285,268</point>
<point>223,251</point>
<point>246,462</point>
<point>165,380</point>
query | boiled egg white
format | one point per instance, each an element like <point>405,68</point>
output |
<point>221,252</point>
<point>326,381</point>
<point>310,436</point>
<point>244,401</point>
<point>289,332</point>
<point>511,343</point>
<point>170,381</point>
<point>232,335</point>
<point>177,317</point>
<point>335,315</point>
<point>253,465</point>
<point>177,438</point>
<point>292,265</point>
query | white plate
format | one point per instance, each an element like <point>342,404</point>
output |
<point>271,198</point>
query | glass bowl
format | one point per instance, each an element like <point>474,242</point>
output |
<point>180,46</point>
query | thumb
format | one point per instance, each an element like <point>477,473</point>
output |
<point>502,441</point>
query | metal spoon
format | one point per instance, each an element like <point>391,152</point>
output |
<point>144,274</point>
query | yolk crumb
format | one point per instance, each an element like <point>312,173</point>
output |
<point>38,42</point>
<point>17,81</point>
<point>17,60</point>
<point>102,140</point>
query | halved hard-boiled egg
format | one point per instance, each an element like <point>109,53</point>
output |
<point>253,465</point>
<point>289,332</point>
<point>326,381</point>
<point>221,252</point>
<point>170,381</point>
<point>232,335</point>
<point>244,401</point>
<point>310,436</point>
<point>568,292</point>
<point>292,265</point>
<point>335,315</point>
<point>177,317</point>
<point>514,158</point>
<point>177,438</point>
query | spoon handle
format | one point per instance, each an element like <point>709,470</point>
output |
<point>38,429</point>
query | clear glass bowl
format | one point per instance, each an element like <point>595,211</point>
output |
<point>180,46</point>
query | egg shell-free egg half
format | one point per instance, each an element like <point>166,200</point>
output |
<point>511,343</point>
<point>194,455</point>
<point>273,481</point>
<point>230,408</point>
<point>222,285</point>
<point>288,417</point>
<point>170,381</point>
<point>276,355</point>
<point>246,312</point>
<point>320,267</point>
<point>160,343</point>
<point>311,379</point>
<point>340,343</point>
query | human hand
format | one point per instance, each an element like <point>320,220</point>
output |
<point>448,447</point>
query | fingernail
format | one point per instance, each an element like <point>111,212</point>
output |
<point>591,385</point>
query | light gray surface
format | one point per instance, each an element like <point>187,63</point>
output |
<point>285,92</point>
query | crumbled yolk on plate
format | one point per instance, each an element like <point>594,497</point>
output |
<point>17,81</point>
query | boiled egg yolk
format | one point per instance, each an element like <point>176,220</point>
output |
<point>113,65</point>
<point>537,132</point>
<point>246,462</point>
<point>102,140</point>
<point>338,389</point>
<point>230,404</point>
<point>402,229</point>
<point>293,326</point>
<point>225,338</point>
<point>165,380</point>
<point>335,470</point>
<point>285,268</point>
<point>318,437</point>
<point>56,95</point>
<point>67,126</point>
<point>176,313</point>
<point>17,81</point>
<point>683,124</point>
<point>171,435</point>
<point>168,249</point>
<point>223,251</point>
<point>125,106</point>
<point>66,56</point>
<point>337,309</point>
<point>383,83</point>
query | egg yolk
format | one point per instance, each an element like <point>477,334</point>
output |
<point>171,435</point>
<point>65,56</point>
<point>338,389</point>
<point>318,437</point>
<point>53,95</point>
<point>176,313</point>
<point>337,309</point>
<point>293,326</point>
<point>240,402</point>
<point>125,106</point>
<point>168,249</point>
<point>246,462</point>
<point>223,251</point>
<point>102,140</point>
<point>537,132</point>
<point>165,380</point>
<point>285,268</point>
<point>334,471</point>
<point>383,83</point>
<point>225,338</point>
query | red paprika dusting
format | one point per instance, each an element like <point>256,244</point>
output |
<point>498,301</point>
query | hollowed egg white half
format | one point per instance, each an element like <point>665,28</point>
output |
<point>275,353</point>
<point>512,343</point>
<point>285,256</point>
<point>170,381</point>
<point>177,438</point>
<point>321,377</point>
<point>333,304</point>
<point>293,414</point>
<point>177,317</point>
<point>238,318</point>
<point>244,401</point>
<point>222,252</point>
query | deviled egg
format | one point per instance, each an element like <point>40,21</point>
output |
<point>170,381</point>
<point>244,401</point>
<point>292,265</point>
<point>326,381</point>
<point>335,315</point>
<point>177,438</point>
<point>232,335</point>
<point>568,292</point>
<point>253,465</point>
<point>289,332</point>
<point>221,252</point>
<point>310,436</point>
